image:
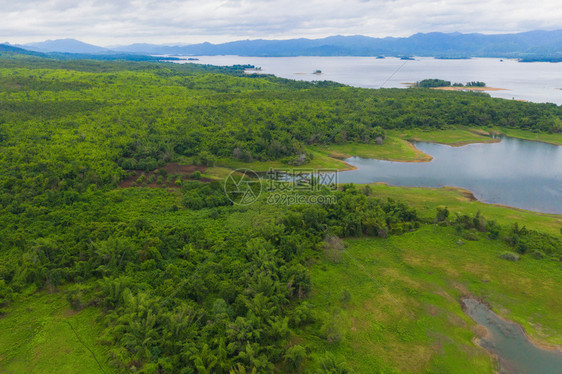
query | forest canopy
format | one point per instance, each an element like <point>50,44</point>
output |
<point>187,281</point>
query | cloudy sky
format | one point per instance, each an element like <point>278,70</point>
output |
<point>111,22</point>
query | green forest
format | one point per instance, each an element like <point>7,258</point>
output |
<point>112,209</point>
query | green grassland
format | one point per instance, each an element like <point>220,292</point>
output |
<point>397,145</point>
<point>461,201</point>
<point>320,160</point>
<point>530,135</point>
<point>392,149</point>
<point>456,137</point>
<point>41,334</point>
<point>392,305</point>
<point>462,135</point>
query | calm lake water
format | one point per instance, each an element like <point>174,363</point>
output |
<point>516,354</point>
<point>513,172</point>
<point>537,81</point>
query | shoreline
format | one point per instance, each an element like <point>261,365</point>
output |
<point>343,156</point>
<point>471,198</point>
<point>456,144</point>
<point>499,133</point>
<point>469,88</point>
<point>541,345</point>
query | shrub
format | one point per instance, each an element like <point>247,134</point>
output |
<point>345,296</point>
<point>330,364</point>
<point>205,158</point>
<point>294,357</point>
<point>470,235</point>
<point>442,214</point>
<point>331,331</point>
<point>536,254</point>
<point>510,256</point>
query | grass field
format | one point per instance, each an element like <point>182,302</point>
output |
<point>454,137</point>
<point>320,161</point>
<point>541,137</point>
<point>42,335</point>
<point>392,149</point>
<point>392,305</point>
<point>459,200</point>
<point>466,135</point>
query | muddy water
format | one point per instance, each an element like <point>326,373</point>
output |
<point>508,342</point>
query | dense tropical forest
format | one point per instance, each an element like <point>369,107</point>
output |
<point>111,196</point>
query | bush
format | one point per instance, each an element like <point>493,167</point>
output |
<point>442,214</point>
<point>345,296</point>
<point>294,357</point>
<point>470,235</point>
<point>331,365</point>
<point>510,256</point>
<point>536,254</point>
<point>205,158</point>
<point>331,331</point>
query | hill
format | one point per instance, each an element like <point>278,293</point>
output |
<point>521,45</point>
<point>17,52</point>
<point>66,46</point>
<point>528,46</point>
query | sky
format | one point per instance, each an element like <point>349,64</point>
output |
<point>119,22</point>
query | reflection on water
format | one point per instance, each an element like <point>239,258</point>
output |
<point>513,172</point>
<point>507,340</point>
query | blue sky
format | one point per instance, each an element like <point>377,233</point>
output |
<point>112,22</point>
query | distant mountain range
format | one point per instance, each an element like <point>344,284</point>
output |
<point>66,46</point>
<point>7,49</point>
<point>530,45</point>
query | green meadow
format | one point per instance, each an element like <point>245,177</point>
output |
<point>392,305</point>
<point>461,201</point>
<point>42,334</point>
<point>393,149</point>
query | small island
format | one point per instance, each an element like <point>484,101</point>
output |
<point>541,59</point>
<point>452,58</point>
<point>317,72</point>
<point>440,84</point>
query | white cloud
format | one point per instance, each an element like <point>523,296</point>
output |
<point>105,22</point>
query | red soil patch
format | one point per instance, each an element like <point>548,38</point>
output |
<point>172,169</point>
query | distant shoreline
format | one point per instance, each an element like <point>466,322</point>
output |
<point>469,88</point>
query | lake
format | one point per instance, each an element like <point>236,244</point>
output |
<point>514,172</point>
<point>515,353</point>
<point>538,81</point>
